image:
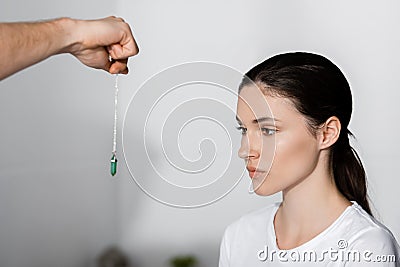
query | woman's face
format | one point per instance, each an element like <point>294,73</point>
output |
<point>275,141</point>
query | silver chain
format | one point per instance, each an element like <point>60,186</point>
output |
<point>114,150</point>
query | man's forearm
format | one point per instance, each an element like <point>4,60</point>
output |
<point>24,44</point>
<point>92,42</point>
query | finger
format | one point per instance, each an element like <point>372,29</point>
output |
<point>130,48</point>
<point>116,18</point>
<point>95,58</point>
<point>118,51</point>
<point>119,66</point>
<point>107,66</point>
<point>125,71</point>
<point>126,47</point>
<point>100,60</point>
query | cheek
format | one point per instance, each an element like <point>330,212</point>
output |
<point>295,157</point>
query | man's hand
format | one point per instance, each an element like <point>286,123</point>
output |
<point>99,40</point>
<point>102,44</point>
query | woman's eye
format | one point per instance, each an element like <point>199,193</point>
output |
<point>268,131</point>
<point>243,130</point>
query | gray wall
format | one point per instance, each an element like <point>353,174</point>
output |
<point>58,205</point>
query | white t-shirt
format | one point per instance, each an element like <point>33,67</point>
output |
<point>354,239</point>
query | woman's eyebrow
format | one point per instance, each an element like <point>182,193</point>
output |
<point>256,121</point>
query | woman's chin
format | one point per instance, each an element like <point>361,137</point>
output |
<point>263,189</point>
<point>264,193</point>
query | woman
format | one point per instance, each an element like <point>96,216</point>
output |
<point>301,147</point>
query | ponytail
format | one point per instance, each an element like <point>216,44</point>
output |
<point>348,172</point>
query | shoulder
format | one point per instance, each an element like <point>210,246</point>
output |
<point>245,236</point>
<point>366,232</point>
<point>252,221</point>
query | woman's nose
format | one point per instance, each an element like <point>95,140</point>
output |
<point>249,148</point>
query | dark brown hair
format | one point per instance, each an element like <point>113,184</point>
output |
<point>319,90</point>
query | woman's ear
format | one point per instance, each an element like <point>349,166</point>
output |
<point>329,132</point>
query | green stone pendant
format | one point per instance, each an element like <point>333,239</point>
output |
<point>113,165</point>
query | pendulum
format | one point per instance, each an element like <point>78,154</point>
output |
<point>114,160</point>
<point>113,164</point>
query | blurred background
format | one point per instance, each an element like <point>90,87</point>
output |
<point>59,206</point>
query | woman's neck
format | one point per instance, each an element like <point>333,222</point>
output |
<point>308,208</point>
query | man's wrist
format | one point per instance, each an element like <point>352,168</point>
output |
<point>68,34</point>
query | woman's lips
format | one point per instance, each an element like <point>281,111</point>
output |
<point>255,174</point>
